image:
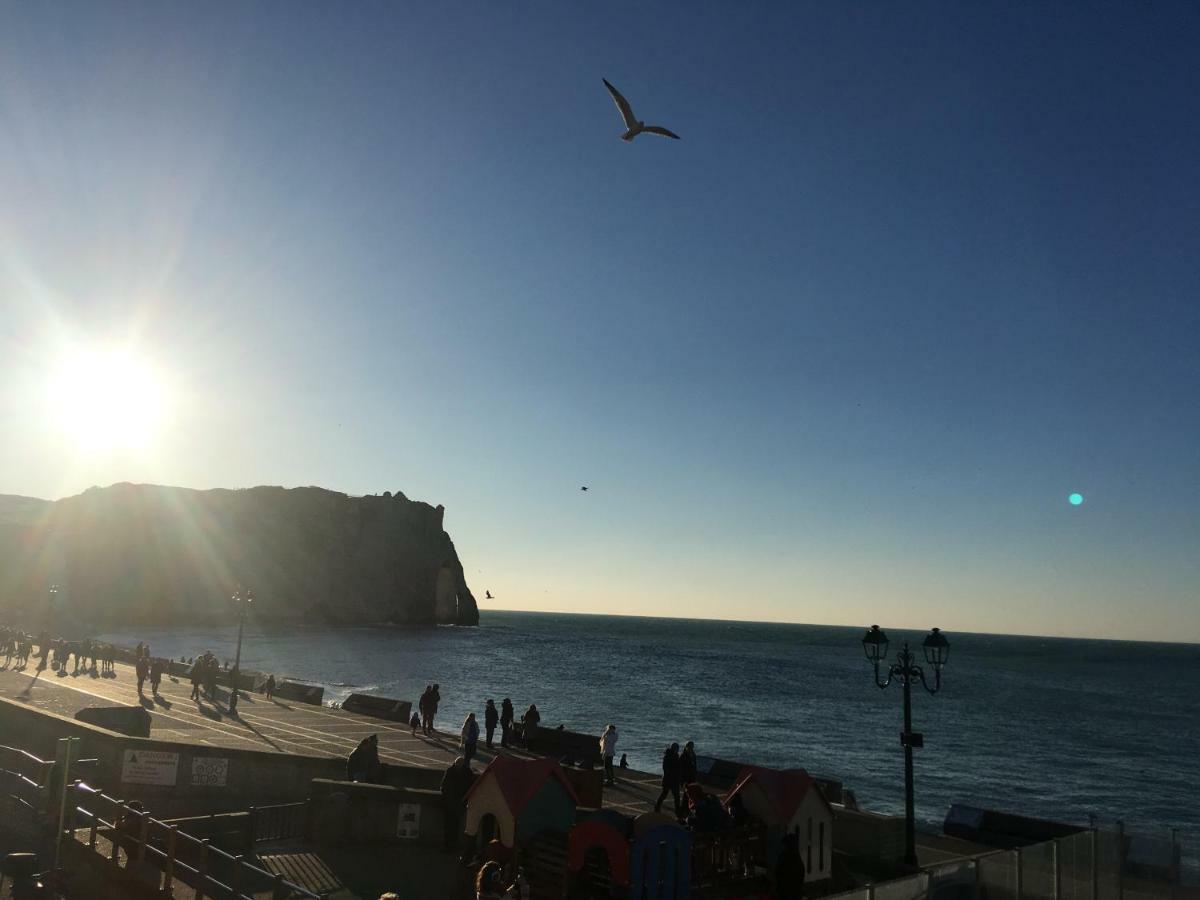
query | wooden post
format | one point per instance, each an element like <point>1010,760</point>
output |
<point>169,868</point>
<point>1020,886</point>
<point>202,869</point>
<point>1057,871</point>
<point>975,878</point>
<point>63,770</point>
<point>277,890</point>
<point>239,862</point>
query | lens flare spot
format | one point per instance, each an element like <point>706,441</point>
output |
<point>1076,499</point>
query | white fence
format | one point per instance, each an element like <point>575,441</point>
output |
<point>1091,865</point>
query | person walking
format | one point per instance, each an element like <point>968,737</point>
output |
<point>213,668</point>
<point>269,687</point>
<point>141,668</point>
<point>608,749</point>
<point>529,723</point>
<point>156,673</point>
<point>670,778</point>
<point>490,718</point>
<point>197,676</point>
<point>687,764</point>
<point>423,706</point>
<point>506,721</point>
<point>435,698</point>
<point>470,736</point>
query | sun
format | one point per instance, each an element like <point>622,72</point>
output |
<point>107,400</point>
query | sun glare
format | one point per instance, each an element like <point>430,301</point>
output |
<point>107,400</point>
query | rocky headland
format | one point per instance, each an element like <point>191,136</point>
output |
<point>153,555</point>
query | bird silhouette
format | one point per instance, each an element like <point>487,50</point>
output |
<point>634,127</point>
<point>584,488</point>
<point>489,595</point>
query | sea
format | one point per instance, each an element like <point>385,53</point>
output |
<point>1065,729</point>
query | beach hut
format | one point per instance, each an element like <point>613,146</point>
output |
<point>516,799</point>
<point>606,847</point>
<point>660,864</point>
<point>789,801</point>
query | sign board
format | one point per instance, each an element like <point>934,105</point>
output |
<point>150,767</point>
<point>210,771</point>
<point>408,822</point>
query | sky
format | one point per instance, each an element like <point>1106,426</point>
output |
<point>914,275</point>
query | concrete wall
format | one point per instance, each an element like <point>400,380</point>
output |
<point>251,777</point>
<point>867,838</point>
<point>349,812</point>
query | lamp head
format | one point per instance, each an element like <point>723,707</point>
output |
<point>875,644</point>
<point>937,649</point>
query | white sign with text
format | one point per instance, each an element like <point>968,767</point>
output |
<point>150,767</point>
<point>408,823</point>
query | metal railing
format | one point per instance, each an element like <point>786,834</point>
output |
<point>152,850</point>
<point>280,822</point>
<point>1090,865</point>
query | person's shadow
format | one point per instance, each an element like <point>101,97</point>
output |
<point>161,701</point>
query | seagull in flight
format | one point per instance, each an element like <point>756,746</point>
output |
<point>632,126</point>
<point>584,488</point>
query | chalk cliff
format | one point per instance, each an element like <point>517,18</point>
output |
<point>145,554</point>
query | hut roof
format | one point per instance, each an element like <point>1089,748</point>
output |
<point>785,788</point>
<point>520,779</point>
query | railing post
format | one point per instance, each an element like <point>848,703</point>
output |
<point>871,891</point>
<point>143,834</point>
<point>1120,860</point>
<point>239,862</point>
<point>277,889</point>
<point>251,829</point>
<point>1020,879</point>
<point>1057,870</point>
<point>169,867</point>
<point>975,877</point>
<point>1095,844</point>
<point>63,767</point>
<point>202,869</point>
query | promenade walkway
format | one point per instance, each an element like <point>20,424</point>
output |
<point>283,726</point>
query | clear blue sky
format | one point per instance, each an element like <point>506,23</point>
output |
<point>915,273</point>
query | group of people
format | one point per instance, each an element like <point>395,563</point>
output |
<point>678,769</point>
<point>205,670</point>
<point>147,667</point>
<point>90,656</point>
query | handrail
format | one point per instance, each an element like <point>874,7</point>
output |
<point>243,873</point>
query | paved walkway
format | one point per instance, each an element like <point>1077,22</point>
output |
<point>261,724</point>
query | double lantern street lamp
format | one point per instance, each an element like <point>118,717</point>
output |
<point>243,599</point>
<point>907,671</point>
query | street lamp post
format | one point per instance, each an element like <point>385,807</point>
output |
<point>907,671</point>
<point>243,599</point>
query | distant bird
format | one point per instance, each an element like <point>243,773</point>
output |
<point>633,127</point>
<point>584,488</point>
<point>489,595</point>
